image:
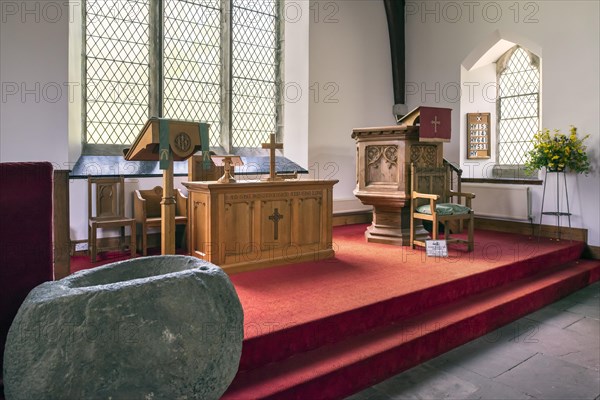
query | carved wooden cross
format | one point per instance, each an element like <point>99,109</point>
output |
<point>272,145</point>
<point>435,123</point>
<point>275,218</point>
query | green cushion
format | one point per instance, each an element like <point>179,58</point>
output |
<point>444,209</point>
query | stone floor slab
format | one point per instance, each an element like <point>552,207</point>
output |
<point>553,341</point>
<point>426,382</point>
<point>592,295</point>
<point>369,394</point>
<point>486,388</point>
<point>586,326</point>
<point>589,292</point>
<point>549,378</point>
<point>554,317</point>
<point>563,304</point>
<point>587,310</point>
<point>486,358</point>
<point>588,357</point>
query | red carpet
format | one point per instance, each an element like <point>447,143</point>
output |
<point>324,330</point>
<point>350,322</point>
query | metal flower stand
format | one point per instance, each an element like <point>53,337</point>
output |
<point>558,213</point>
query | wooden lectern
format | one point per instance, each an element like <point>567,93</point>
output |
<point>384,155</point>
<point>167,141</point>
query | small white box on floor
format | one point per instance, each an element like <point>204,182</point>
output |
<point>436,248</point>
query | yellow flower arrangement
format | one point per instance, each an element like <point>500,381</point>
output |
<point>558,151</point>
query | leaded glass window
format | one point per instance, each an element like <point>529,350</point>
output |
<point>202,60</point>
<point>518,105</point>
<point>117,74</point>
<point>254,71</point>
<point>192,62</point>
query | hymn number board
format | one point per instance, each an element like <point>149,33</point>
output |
<point>478,135</point>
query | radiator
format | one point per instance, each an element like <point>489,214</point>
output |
<point>500,201</point>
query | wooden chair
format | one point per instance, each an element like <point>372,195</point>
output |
<point>109,197</point>
<point>431,198</point>
<point>147,213</point>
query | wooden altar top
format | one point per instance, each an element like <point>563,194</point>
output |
<point>291,184</point>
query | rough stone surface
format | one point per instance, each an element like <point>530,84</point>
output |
<point>165,327</point>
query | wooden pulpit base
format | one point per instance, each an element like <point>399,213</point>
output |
<point>392,226</point>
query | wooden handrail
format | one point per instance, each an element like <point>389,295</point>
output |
<point>454,167</point>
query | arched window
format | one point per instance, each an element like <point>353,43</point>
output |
<point>518,104</point>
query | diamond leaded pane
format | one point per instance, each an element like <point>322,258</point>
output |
<point>519,106</point>
<point>255,64</point>
<point>514,140</point>
<point>192,62</point>
<point>519,86</point>
<point>117,71</point>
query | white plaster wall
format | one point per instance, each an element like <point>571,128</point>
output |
<point>34,82</point>
<point>476,99</point>
<point>296,15</point>
<point>442,34</point>
<point>75,72</point>
<point>350,87</point>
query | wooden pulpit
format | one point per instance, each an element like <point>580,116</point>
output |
<point>168,140</point>
<point>384,155</point>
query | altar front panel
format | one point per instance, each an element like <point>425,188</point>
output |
<point>249,225</point>
<point>274,234</point>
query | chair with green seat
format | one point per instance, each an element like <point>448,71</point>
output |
<point>431,197</point>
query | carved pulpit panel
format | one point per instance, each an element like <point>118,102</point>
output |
<point>382,164</point>
<point>423,155</point>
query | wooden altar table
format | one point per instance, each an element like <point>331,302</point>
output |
<point>255,224</point>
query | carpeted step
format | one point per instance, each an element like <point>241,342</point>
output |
<point>354,363</point>
<point>272,336</point>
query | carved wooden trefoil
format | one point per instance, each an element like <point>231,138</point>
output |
<point>423,155</point>
<point>382,163</point>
